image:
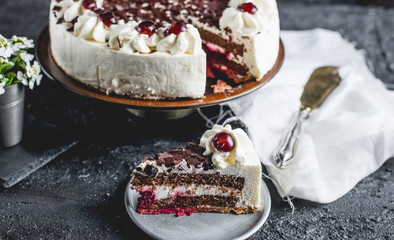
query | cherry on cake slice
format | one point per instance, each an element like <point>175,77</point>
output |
<point>220,174</point>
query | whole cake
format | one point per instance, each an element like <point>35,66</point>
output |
<point>160,49</point>
<point>220,174</point>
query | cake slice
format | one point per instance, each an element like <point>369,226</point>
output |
<point>220,174</point>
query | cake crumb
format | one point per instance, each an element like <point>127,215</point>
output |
<point>189,213</point>
<point>220,86</point>
<point>178,214</point>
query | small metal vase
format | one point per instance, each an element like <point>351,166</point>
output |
<point>12,103</point>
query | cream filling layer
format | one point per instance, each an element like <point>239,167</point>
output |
<point>163,192</point>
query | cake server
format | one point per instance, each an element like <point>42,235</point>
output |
<point>319,86</point>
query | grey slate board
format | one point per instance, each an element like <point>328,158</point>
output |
<point>41,143</point>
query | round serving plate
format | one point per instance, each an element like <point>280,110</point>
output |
<point>213,226</point>
<point>143,107</point>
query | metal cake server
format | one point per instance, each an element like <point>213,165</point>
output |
<point>319,86</point>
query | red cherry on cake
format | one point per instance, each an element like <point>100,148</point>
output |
<point>248,7</point>
<point>146,27</point>
<point>223,142</point>
<point>176,28</point>
<point>89,4</point>
<point>108,18</point>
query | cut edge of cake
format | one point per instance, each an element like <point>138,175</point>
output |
<point>201,178</point>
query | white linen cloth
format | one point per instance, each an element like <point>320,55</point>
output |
<point>350,136</point>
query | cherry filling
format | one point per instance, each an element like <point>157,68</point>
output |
<point>248,7</point>
<point>223,142</point>
<point>108,18</point>
<point>146,199</point>
<point>89,4</point>
<point>215,64</point>
<point>146,27</point>
<point>176,28</point>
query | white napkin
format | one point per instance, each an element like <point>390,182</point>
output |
<point>350,136</point>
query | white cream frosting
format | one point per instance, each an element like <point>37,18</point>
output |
<point>122,35</point>
<point>184,42</point>
<point>245,23</point>
<point>88,25</point>
<point>125,37</point>
<point>71,9</point>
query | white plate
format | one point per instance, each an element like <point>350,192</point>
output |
<point>199,225</point>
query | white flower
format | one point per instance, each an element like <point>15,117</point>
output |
<point>29,70</point>
<point>33,73</point>
<point>26,57</point>
<point>18,43</point>
<point>4,60</point>
<point>5,47</point>
<point>31,84</point>
<point>22,77</point>
<point>38,80</point>
<point>2,84</point>
<point>37,71</point>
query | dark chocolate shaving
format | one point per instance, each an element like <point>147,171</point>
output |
<point>60,20</point>
<point>57,8</point>
<point>74,20</point>
<point>148,159</point>
<point>150,171</point>
<point>206,11</point>
<point>192,154</point>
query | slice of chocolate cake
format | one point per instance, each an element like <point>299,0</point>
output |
<point>221,174</point>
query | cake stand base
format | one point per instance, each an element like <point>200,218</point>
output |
<point>161,114</point>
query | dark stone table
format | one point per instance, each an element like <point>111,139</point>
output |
<point>79,194</point>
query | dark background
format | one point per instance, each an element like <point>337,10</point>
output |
<point>79,194</point>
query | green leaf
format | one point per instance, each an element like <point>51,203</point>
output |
<point>10,76</point>
<point>22,65</point>
<point>7,81</point>
<point>8,67</point>
<point>16,81</point>
<point>4,67</point>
